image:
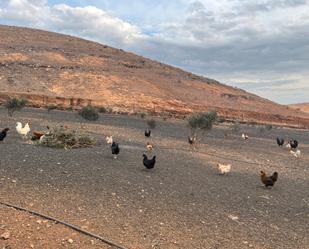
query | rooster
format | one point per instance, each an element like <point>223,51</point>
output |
<point>109,139</point>
<point>149,163</point>
<point>269,180</point>
<point>3,134</point>
<point>280,141</point>
<point>224,169</point>
<point>115,149</point>
<point>23,130</point>
<point>147,133</point>
<point>295,153</point>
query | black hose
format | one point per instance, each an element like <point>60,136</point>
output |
<point>65,224</point>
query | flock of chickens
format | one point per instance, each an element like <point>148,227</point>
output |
<point>268,181</point>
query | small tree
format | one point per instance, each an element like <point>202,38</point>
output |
<point>203,121</point>
<point>151,123</point>
<point>89,113</point>
<point>15,104</point>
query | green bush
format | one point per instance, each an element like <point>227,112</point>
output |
<point>102,109</point>
<point>15,104</point>
<point>151,123</point>
<point>143,115</point>
<point>202,120</point>
<point>89,113</point>
<point>51,107</point>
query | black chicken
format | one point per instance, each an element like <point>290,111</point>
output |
<point>147,133</point>
<point>191,140</point>
<point>149,163</point>
<point>280,141</point>
<point>115,149</point>
<point>293,143</point>
<point>269,180</point>
<point>3,133</point>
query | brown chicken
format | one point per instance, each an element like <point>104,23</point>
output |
<point>269,180</point>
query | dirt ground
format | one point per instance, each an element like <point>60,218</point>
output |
<point>182,203</point>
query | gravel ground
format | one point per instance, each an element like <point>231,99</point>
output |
<point>182,203</point>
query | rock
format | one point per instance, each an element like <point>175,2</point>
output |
<point>6,235</point>
<point>70,241</point>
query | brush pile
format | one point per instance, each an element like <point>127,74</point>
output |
<point>60,137</point>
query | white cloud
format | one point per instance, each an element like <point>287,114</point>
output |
<point>89,22</point>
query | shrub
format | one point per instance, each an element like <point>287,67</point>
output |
<point>15,104</point>
<point>89,113</point>
<point>202,120</point>
<point>143,115</point>
<point>66,139</point>
<point>151,123</point>
<point>235,127</point>
<point>102,110</point>
<point>268,127</point>
<point>51,107</point>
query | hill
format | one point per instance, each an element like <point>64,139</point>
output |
<point>49,68</point>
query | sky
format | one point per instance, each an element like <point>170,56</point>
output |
<point>261,46</point>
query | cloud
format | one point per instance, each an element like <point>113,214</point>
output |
<point>88,22</point>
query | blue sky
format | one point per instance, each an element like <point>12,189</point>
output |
<point>260,46</point>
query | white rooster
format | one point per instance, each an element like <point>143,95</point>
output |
<point>224,169</point>
<point>23,130</point>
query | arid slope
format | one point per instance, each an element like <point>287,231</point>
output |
<point>50,68</point>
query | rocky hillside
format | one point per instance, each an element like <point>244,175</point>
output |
<point>304,107</point>
<point>49,68</point>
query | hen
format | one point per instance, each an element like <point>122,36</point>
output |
<point>109,139</point>
<point>293,143</point>
<point>115,149</point>
<point>280,141</point>
<point>22,130</point>
<point>149,163</point>
<point>224,169</point>
<point>147,133</point>
<point>149,146</point>
<point>295,153</point>
<point>191,140</point>
<point>3,134</point>
<point>269,180</point>
<point>244,136</point>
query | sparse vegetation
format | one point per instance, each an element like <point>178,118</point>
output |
<point>268,127</point>
<point>66,139</point>
<point>151,123</point>
<point>203,121</point>
<point>235,127</point>
<point>51,107</point>
<point>102,110</point>
<point>89,113</point>
<point>15,104</point>
<point>143,115</point>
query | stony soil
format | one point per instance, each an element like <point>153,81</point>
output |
<point>182,203</point>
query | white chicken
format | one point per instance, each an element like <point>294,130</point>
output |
<point>22,130</point>
<point>295,153</point>
<point>244,136</point>
<point>224,169</point>
<point>109,139</point>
